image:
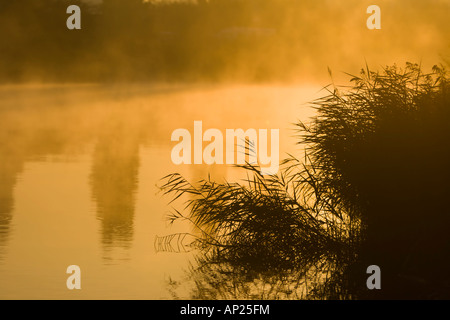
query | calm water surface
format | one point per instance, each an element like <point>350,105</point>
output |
<point>78,172</point>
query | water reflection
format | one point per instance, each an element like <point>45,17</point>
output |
<point>115,145</point>
<point>64,126</point>
<point>219,280</point>
<point>9,170</point>
<point>11,165</point>
<point>114,183</point>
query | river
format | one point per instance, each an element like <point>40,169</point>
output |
<point>79,168</point>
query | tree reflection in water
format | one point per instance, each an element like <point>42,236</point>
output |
<point>356,200</point>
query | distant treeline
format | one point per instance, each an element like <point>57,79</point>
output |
<point>252,40</point>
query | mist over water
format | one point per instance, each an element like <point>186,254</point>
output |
<point>86,118</point>
<point>79,176</point>
<point>215,41</point>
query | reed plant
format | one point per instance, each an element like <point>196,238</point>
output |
<point>371,189</point>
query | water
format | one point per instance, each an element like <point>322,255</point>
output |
<point>79,166</point>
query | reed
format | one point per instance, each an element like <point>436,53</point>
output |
<point>371,189</point>
<point>268,225</point>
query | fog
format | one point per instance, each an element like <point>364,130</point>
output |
<point>215,40</point>
<point>86,116</point>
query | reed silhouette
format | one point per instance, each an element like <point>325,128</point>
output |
<point>382,150</point>
<point>215,40</point>
<point>370,190</point>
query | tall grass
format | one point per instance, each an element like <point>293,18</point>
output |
<point>268,229</point>
<point>372,189</point>
<point>382,148</point>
